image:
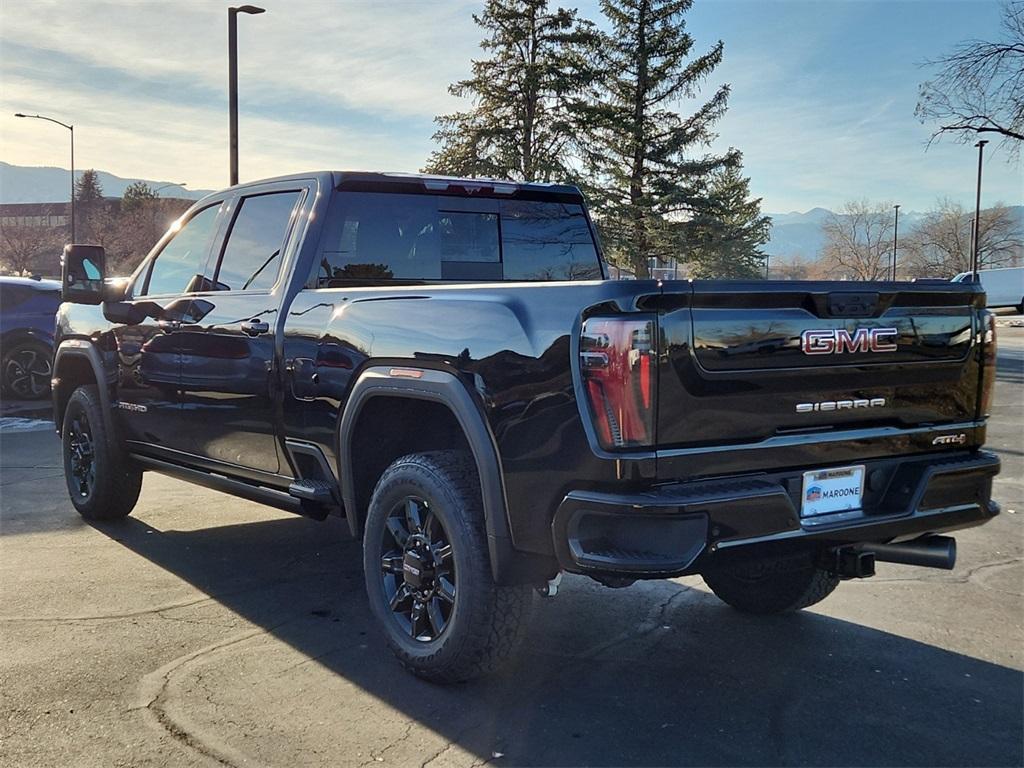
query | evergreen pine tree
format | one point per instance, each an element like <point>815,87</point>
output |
<point>725,241</point>
<point>522,121</point>
<point>649,166</point>
<point>88,203</point>
<point>136,195</point>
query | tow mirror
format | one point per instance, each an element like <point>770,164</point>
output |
<point>83,273</point>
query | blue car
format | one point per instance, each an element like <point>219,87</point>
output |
<point>28,308</point>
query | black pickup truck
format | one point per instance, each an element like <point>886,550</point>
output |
<point>444,363</point>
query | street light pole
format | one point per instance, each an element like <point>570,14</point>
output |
<point>181,184</point>
<point>977,215</point>
<point>895,236</point>
<point>233,82</point>
<point>71,128</point>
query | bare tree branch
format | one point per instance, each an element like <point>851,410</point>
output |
<point>979,86</point>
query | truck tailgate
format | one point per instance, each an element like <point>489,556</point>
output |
<point>749,364</point>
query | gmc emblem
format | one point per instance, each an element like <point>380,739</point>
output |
<point>837,341</point>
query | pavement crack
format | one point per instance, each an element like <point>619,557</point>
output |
<point>154,696</point>
<point>378,757</point>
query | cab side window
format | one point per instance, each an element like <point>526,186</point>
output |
<point>181,262</point>
<point>252,254</point>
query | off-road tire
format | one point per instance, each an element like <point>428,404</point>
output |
<point>773,585</point>
<point>117,481</point>
<point>486,624</point>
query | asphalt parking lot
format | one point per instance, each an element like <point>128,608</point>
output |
<point>208,630</point>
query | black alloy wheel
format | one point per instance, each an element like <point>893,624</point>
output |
<point>82,456</point>
<point>102,481</point>
<point>428,572</point>
<point>27,371</point>
<point>418,570</point>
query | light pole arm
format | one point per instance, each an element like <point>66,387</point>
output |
<point>50,119</point>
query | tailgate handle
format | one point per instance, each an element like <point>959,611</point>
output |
<point>852,304</point>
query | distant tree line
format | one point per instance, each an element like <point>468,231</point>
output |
<point>558,99</point>
<point>859,243</point>
<point>127,227</point>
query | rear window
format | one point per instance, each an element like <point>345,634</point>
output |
<point>252,255</point>
<point>547,241</point>
<point>379,237</point>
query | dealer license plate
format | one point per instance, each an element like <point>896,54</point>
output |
<point>832,490</point>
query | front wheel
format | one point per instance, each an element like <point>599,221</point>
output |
<point>428,574</point>
<point>771,585</point>
<point>102,483</point>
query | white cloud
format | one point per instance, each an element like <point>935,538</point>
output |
<point>394,57</point>
<point>154,138</point>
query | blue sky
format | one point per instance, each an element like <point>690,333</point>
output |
<point>822,101</point>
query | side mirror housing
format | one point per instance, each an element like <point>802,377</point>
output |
<point>83,273</point>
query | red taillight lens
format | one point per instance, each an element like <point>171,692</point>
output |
<point>988,361</point>
<point>617,358</point>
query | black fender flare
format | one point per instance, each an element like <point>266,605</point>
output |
<point>82,349</point>
<point>507,564</point>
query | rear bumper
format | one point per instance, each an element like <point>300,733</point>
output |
<point>675,529</point>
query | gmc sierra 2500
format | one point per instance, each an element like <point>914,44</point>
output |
<point>444,363</point>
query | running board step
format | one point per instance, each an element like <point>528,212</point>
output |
<point>320,491</point>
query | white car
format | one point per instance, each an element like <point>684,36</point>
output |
<point>1003,287</point>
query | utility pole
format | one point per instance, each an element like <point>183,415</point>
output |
<point>233,82</point>
<point>977,215</point>
<point>895,239</point>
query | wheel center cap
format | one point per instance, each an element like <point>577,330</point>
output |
<point>417,569</point>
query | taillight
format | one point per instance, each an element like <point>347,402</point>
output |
<point>988,361</point>
<point>617,359</point>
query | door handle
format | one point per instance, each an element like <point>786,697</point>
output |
<point>254,327</point>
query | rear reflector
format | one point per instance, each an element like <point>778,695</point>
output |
<point>617,358</point>
<point>988,359</point>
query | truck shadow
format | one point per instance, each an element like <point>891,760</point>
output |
<point>657,674</point>
<point>1009,369</point>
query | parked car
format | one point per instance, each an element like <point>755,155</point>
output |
<point>444,363</point>
<point>1003,287</point>
<point>28,309</point>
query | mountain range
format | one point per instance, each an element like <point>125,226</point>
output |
<point>24,184</point>
<point>793,234</point>
<point>800,234</point>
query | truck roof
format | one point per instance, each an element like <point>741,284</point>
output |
<point>442,183</point>
<point>423,182</point>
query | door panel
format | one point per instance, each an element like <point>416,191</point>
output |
<point>226,380</point>
<point>229,397</point>
<point>149,360</point>
<point>149,352</point>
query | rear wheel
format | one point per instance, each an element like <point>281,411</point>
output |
<point>771,585</point>
<point>102,483</point>
<point>428,574</point>
<point>27,369</point>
